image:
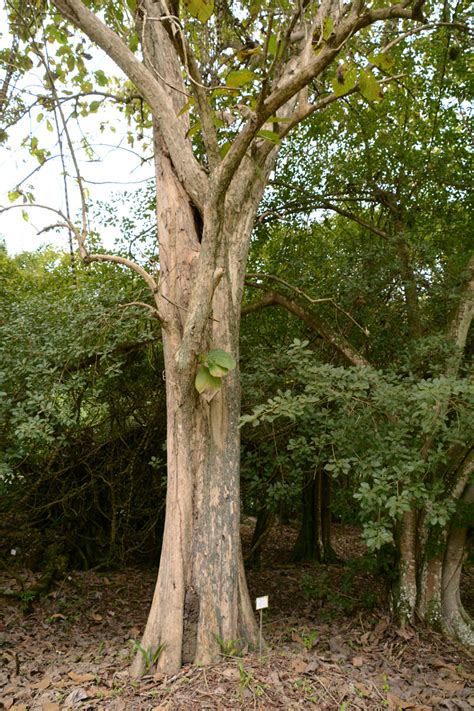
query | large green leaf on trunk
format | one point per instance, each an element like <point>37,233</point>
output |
<point>205,381</point>
<point>220,362</point>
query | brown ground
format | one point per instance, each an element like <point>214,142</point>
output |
<point>330,646</point>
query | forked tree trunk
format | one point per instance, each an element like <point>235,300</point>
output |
<point>430,569</point>
<point>204,234</point>
<point>422,588</point>
<point>201,593</point>
<point>455,621</point>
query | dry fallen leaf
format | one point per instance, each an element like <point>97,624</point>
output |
<point>231,673</point>
<point>7,702</point>
<point>81,678</point>
<point>50,706</point>
<point>362,689</point>
<point>395,702</point>
<point>405,633</point>
<point>299,665</point>
<point>450,685</point>
<point>43,684</point>
<point>357,661</point>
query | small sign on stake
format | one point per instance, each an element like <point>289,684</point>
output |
<point>261,603</point>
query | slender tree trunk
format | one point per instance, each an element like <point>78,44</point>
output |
<point>263,526</point>
<point>455,620</point>
<point>314,539</point>
<point>409,286</point>
<point>404,592</point>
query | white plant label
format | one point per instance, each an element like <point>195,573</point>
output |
<point>261,603</point>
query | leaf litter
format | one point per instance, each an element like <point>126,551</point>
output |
<point>74,650</point>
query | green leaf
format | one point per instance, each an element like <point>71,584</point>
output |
<point>221,358</point>
<point>369,86</point>
<point>382,61</point>
<point>275,46</point>
<point>185,108</point>
<point>101,77</point>
<point>217,371</point>
<point>194,129</point>
<point>49,125</point>
<point>204,380</point>
<point>270,136</point>
<point>25,215</point>
<point>345,80</point>
<point>224,149</point>
<point>133,42</point>
<point>200,9</point>
<point>239,78</point>
<point>14,195</point>
<point>94,106</point>
<point>328,27</point>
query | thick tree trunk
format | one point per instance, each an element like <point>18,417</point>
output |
<point>201,593</point>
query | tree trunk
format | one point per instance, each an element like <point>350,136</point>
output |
<point>430,569</point>
<point>263,526</point>
<point>314,539</point>
<point>201,594</point>
<point>404,592</point>
<point>455,620</point>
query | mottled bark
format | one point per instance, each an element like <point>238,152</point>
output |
<point>405,590</point>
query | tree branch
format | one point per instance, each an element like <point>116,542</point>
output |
<point>187,167</point>
<point>87,258</point>
<point>273,298</point>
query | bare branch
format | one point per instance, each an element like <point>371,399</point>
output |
<point>187,167</point>
<point>151,309</point>
<point>273,298</point>
<point>300,292</point>
<point>86,257</point>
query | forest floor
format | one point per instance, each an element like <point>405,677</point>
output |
<point>330,645</point>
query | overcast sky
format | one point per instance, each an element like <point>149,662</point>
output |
<point>114,167</point>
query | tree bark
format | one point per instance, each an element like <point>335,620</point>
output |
<point>263,526</point>
<point>455,620</point>
<point>314,539</point>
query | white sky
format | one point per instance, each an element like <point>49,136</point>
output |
<point>114,168</point>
